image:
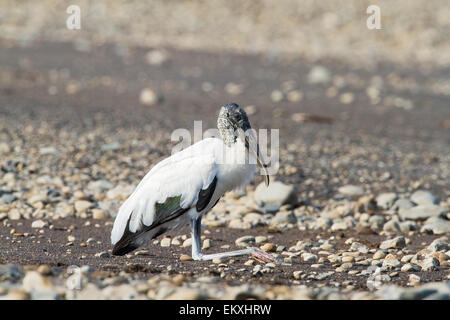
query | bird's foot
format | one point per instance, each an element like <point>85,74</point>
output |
<point>265,257</point>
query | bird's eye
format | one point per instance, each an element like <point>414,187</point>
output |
<point>238,117</point>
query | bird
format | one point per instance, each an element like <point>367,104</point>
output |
<point>182,188</point>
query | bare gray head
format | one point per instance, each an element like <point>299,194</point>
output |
<point>232,123</point>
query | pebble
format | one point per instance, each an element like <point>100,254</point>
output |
<point>422,212</point>
<point>156,57</point>
<point>245,241</point>
<point>357,246</point>
<point>319,74</point>
<point>14,214</point>
<point>386,200</point>
<point>436,225</point>
<point>398,242</point>
<point>430,264</point>
<point>268,247</point>
<point>187,243</point>
<point>165,242</point>
<point>413,279</point>
<point>271,198</point>
<point>401,204</point>
<point>391,264</point>
<point>260,239</point>
<point>423,197</point>
<point>282,218</point>
<point>309,257</point>
<point>379,255</point>
<point>185,257</point>
<point>82,205</point>
<point>8,198</point>
<point>410,267</point>
<point>99,214</point>
<point>276,96</point>
<point>37,224</point>
<point>351,190</point>
<point>44,270</point>
<point>206,244</point>
<point>149,97</point>
<point>102,254</point>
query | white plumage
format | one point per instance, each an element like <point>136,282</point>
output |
<point>184,174</point>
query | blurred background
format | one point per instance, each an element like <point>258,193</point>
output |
<point>366,103</point>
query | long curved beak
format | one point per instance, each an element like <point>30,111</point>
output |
<point>260,161</point>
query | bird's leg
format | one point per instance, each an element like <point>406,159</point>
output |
<point>258,254</point>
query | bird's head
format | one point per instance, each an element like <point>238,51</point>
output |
<point>233,124</point>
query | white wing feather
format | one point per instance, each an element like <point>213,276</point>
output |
<point>182,174</point>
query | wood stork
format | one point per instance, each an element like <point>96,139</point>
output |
<point>183,187</point>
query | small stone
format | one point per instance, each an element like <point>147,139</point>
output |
<point>271,198</point>
<point>141,252</point>
<point>391,226</point>
<point>422,212</point>
<point>156,57</point>
<point>346,98</point>
<point>430,264</point>
<point>149,97</point>
<point>391,263</point>
<point>351,190</point>
<point>386,200</point>
<point>319,74</point>
<point>206,244</point>
<point>245,241</point>
<point>44,270</point>
<point>14,214</point>
<point>398,242</point>
<point>348,259</point>
<point>165,242</point>
<point>356,246</point>
<point>413,279</point>
<point>411,267</point>
<point>295,96</point>
<point>48,150</point>
<point>102,254</point>
<point>82,205</point>
<point>437,246</point>
<point>283,218</point>
<point>249,263</point>
<point>298,274</point>
<point>4,147</point>
<point>38,224</point>
<point>8,198</point>
<point>423,197</point>
<point>234,88</point>
<point>98,214</point>
<point>268,247</point>
<point>436,225</point>
<point>260,239</point>
<point>187,243</point>
<point>276,96</point>
<point>185,257</point>
<point>401,204</point>
<point>309,257</point>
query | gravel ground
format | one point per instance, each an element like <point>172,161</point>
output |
<point>361,210</point>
